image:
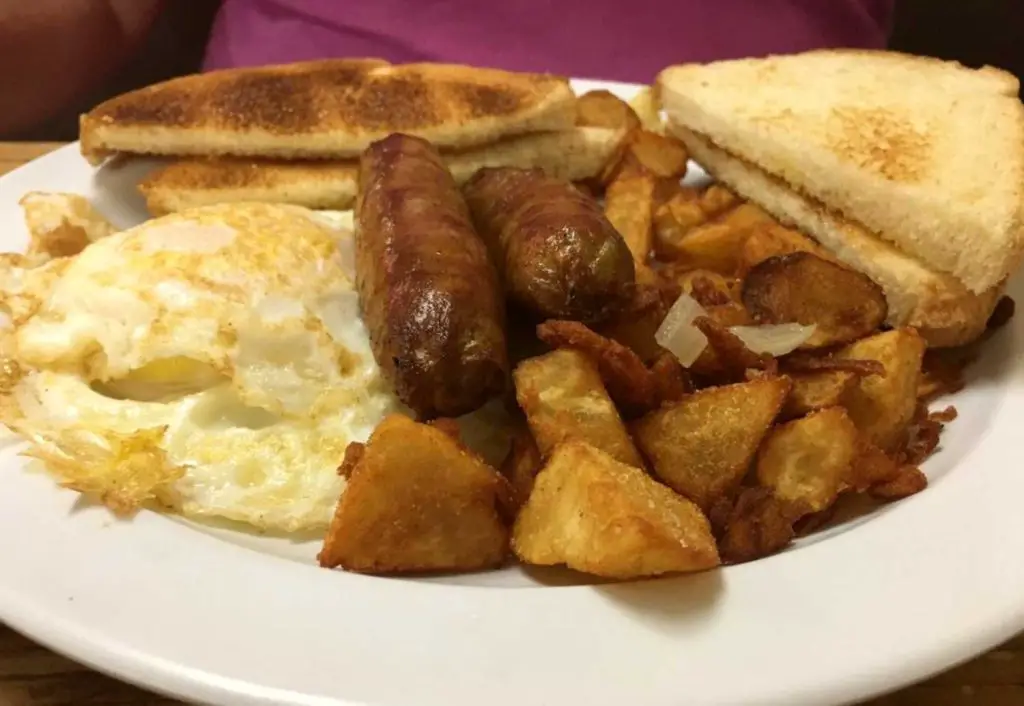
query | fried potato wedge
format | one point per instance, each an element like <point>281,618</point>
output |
<point>660,155</point>
<point>628,381</point>
<point>807,461</point>
<point>715,245</point>
<point>605,109</point>
<point>759,524</point>
<point>645,105</point>
<point>606,518</point>
<point>871,467</point>
<point>521,466</point>
<point>813,391</point>
<point>707,287</point>
<point>775,239</point>
<point>417,501</point>
<point>629,207</point>
<point>803,288</point>
<point>717,199</point>
<point>636,325</point>
<point>908,481</point>
<point>882,406</point>
<point>563,398</point>
<point>702,446</point>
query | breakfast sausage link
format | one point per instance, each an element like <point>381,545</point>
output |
<point>557,253</point>
<point>429,293</point>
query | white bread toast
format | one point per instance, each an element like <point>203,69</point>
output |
<point>576,154</point>
<point>329,109</point>
<point>936,304</point>
<point>927,153</point>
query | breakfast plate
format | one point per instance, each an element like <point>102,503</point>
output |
<point>213,614</point>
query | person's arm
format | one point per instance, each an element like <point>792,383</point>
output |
<point>53,51</point>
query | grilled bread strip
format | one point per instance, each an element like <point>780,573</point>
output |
<point>573,155</point>
<point>327,109</point>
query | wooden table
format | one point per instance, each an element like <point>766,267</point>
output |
<point>33,676</point>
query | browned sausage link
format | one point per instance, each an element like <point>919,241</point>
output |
<point>556,252</point>
<point>429,292</point>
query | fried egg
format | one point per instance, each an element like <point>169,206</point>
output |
<point>211,361</point>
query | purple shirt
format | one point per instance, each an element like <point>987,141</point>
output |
<point>627,40</point>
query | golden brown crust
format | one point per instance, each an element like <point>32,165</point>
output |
<point>429,293</point>
<point>355,101</point>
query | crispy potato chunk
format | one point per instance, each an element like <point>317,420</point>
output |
<point>702,445</point>
<point>871,467</point>
<point>645,105</point>
<point>758,525</point>
<point>596,515</point>
<point>908,481</point>
<point>605,109</point>
<point>629,207</point>
<point>663,156</point>
<point>713,245</point>
<point>806,462</point>
<point>521,466</point>
<point>717,199</point>
<point>803,288</point>
<point>628,381</point>
<point>817,390</point>
<point>882,406</point>
<point>707,287</point>
<point>563,398</point>
<point>636,325</point>
<point>810,363</point>
<point>775,239</point>
<point>417,501</point>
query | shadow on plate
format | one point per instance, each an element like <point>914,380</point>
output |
<point>666,604</point>
<point>115,192</point>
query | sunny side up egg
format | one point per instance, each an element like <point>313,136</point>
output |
<point>211,361</point>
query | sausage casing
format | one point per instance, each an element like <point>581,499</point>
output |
<point>429,293</point>
<point>557,254</point>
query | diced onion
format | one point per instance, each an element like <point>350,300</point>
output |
<point>774,339</point>
<point>678,335</point>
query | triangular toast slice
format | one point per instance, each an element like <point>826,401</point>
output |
<point>926,153</point>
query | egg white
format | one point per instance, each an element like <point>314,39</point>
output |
<point>212,362</point>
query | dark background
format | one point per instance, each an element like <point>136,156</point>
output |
<point>974,32</point>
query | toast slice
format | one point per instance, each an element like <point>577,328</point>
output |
<point>927,153</point>
<point>325,109</point>
<point>938,305</point>
<point>574,155</point>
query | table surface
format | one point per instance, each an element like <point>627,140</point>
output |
<point>31,675</point>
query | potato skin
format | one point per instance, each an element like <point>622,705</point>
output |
<point>429,292</point>
<point>801,287</point>
<point>557,253</point>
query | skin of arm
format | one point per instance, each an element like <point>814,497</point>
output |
<point>53,51</point>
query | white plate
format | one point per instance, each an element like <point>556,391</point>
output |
<point>220,616</point>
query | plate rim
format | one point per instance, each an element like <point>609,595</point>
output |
<point>68,630</point>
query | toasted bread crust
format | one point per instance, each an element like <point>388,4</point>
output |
<point>325,109</point>
<point>941,308</point>
<point>574,154</point>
